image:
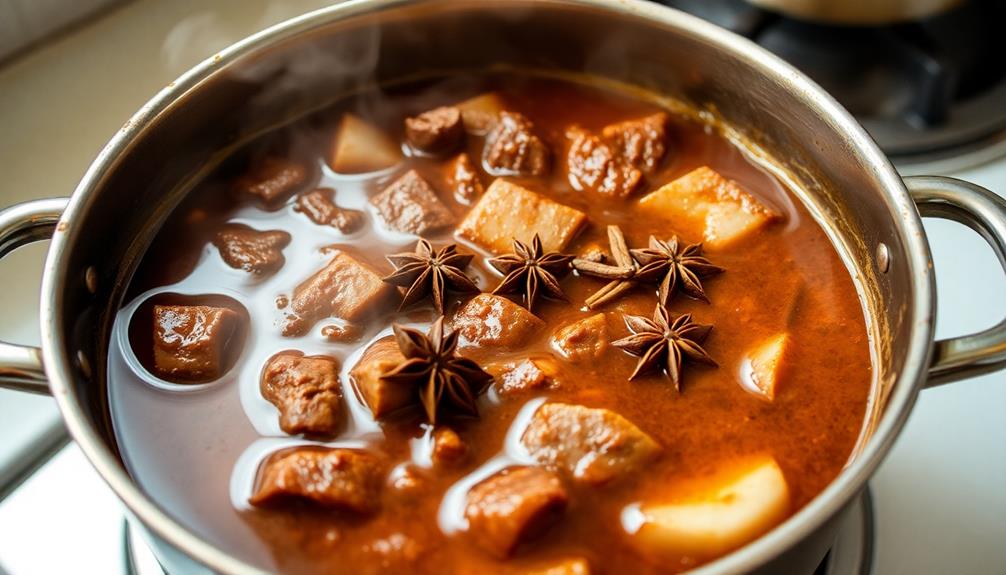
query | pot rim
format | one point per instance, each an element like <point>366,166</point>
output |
<point>825,505</point>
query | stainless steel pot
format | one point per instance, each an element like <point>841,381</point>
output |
<point>858,12</point>
<point>871,214</point>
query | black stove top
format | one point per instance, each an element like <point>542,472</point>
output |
<point>918,87</point>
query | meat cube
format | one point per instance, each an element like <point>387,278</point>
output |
<point>272,179</point>
<point>513,149</point>
<point>250,250</point>
<point>347,479</point>
<point>463,179</point>
<point>410,205</point>
<point>593,166</point>
<point>448,447</point>
<point>306,390</point>
<point>582,340</point>
<point>382,397</point>
<point>736,505</point>
<point>761,369</point>
<point>346,288</point>
<point>361,147</point>
<point>508,211</point>
<point>479,114</point>
<point>489,320</point>
<point>525,375</point>
<point>341,333</point>
<point>513,506</point>
<point>641,142</point>
<point>573,566</point>
<point>594,446</point>
<point>438,131</point>
<point>320,207</point>
<point>192,342</point>
<point>703,197</point>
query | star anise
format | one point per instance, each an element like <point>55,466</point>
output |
<point>425,272</point>
<point>442,379</point>
<point>676,266</point>
<point>622,274</point>
<point>528,269</point>
<point>663,344</point>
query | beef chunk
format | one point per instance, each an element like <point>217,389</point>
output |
<point>725,212</point>
<point>641,142</point>
<point>319,206</point>
<point>508,211</point>
<point>594,446</point>
<point>512,148</point>
<point>361,147</point>
<point>479,114</point>
<point>437,131</point>
<point>306,390</point>
<point>448,447</point>
<point>256,252</point>
<point>346,288</point>
<point>410,205</point>
<point>515,505</point>
<point>525,375</point>
<point>489,320</point>
<point>463,179</point>
<point>272,179</point>
<point>348,479</point>
<point>582,340</point>
<point>381,396</point>
<point>593,166</point>
<point>191,341</point>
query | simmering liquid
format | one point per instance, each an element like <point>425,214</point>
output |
<point>196,448</point>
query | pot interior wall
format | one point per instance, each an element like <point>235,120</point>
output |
<point>270,85</point>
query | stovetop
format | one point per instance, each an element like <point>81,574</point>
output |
<point>939,501</point>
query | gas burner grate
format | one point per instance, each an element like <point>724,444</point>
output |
<point>918,87</point>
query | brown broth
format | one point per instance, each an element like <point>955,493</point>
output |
<point>195,449</point>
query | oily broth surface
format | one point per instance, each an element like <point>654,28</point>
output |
<point>195,448</point>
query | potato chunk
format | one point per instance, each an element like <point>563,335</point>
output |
<point>381,396</point>
<point>347,479</point>
<point>735,507</point>
<point>594,446</point>
<point>346,288</point>
<point>410,205</point>
<point>582,340</point>
<point>361,147</point>
<point>762,366</point>
<point>489,320</point>
<point>191,342</point>
<point>507,211</point>
<point>725,212</point>
<point>480,113</point>
<point>512,506</point>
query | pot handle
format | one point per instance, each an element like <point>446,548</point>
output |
<point>984,212</point>
<point>21,366</point>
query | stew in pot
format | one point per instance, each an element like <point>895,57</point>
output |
<point>501,323</point>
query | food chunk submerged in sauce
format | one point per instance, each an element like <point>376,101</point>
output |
<point>474,312</point>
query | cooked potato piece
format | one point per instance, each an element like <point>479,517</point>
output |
<point>725,212</point>
<point>361,147</point>
<point>380,396</point>
<point>739,505</point>
<point>508,211</point>
<point>762,366</point>
<point>488,320</point>
<point>583,339</point>
<point>479,114</point>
